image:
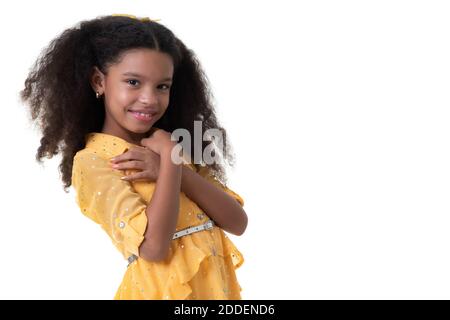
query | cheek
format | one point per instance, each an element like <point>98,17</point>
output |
<point>124,96</point>
<point>165,102</point>
<point>122,100</point>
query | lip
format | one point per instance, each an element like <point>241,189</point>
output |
<point>142,118</point>
<point>152,112</point>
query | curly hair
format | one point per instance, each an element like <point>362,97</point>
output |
<point>64,105</point>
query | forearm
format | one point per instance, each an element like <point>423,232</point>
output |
<point>226,212</point>
<point>162,210</point>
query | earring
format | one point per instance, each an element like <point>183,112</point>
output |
<point>97,95</point>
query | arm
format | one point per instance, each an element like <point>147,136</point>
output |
<point>162,211</point>
<point>226,212</point>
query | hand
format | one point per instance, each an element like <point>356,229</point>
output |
<point>139,158</point>
<point>159,141</point>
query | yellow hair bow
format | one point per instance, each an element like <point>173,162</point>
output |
<point>144,19</point>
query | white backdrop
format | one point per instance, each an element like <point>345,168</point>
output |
<point>338,112</point>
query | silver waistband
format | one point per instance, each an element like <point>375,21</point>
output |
<point>206,226</point>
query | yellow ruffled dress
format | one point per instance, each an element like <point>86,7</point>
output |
<point>199,266</point>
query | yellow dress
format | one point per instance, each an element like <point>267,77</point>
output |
<point>199,266</point>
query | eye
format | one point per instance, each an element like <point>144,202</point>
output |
<point>168,86</point>
<point>128,81</point>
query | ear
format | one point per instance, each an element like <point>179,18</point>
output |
<point>97,79</point>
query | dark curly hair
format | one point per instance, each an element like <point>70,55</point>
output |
<point>62,101</point>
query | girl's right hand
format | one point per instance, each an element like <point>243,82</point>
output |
<point>159,141</point>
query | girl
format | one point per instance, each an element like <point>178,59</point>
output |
<point>108,94</point>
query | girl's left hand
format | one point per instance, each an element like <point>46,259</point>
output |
<point>139,158</point>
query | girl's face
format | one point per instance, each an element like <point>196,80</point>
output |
<point>136,92</point>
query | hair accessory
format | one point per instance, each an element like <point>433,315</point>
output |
<point>144,19</point>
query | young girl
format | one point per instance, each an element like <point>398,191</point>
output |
<point>108,94</point>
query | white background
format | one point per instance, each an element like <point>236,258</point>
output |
<point>338,112</point>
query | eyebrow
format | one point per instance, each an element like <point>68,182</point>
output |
<point>141,76</point>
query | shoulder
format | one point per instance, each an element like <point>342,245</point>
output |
<point>202,170</point>
<point>88,156</point>
<point>87,162</point>
<point>206,172</point>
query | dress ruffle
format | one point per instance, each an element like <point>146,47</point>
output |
<point>199,266</point>
<point>169,279</point>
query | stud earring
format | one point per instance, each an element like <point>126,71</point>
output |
<point>97,95</point>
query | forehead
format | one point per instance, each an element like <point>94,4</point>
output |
<point>149,63</point>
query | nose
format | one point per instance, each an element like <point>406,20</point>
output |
<point>149,96</point>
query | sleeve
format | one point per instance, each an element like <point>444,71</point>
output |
<point>111,202</point>
<point>206,173</point>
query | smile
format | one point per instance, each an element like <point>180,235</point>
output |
<point>142,116</point>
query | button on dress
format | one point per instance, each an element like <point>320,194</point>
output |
<point>198,266</point>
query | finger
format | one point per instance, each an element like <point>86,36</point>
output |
<point>136,176</point>
<point>133,153</point>
<point>119,157</point>
<point>149,144</point>
<point>132,164</point>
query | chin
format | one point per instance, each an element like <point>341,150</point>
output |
<point>144,130</point>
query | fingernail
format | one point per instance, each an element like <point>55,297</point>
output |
<point>123,178</point>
